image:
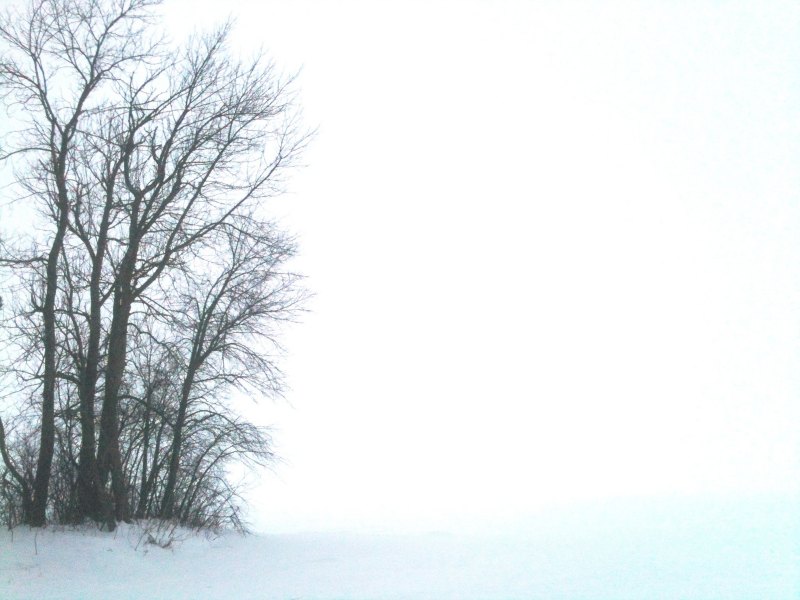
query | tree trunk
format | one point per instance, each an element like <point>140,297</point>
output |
<point>109,460</point>
<point>44,463</point>
<point>90,493</point>
<point>89,503</point>
<point>168,505</point>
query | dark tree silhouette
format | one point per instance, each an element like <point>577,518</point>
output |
<point>149,166</point>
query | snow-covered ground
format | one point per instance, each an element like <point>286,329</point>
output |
<point>624,550</point>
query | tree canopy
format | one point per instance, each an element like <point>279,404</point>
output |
<point>153,281</point>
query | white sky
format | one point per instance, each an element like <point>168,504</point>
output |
<point>555,248</point>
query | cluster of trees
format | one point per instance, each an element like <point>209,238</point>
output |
<point>148,282</point>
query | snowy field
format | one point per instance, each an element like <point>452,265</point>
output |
<point>649,551</point>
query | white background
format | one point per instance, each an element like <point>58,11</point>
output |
<point>555,248</point>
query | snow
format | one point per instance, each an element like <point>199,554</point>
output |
<point>625,550</point>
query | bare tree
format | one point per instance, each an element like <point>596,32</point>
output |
<point>194,156</point>
<point>228,311</point>
<point>60,55</point>
<point>144,160</point>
